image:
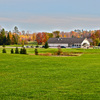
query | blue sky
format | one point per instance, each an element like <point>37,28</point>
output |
<point>50,15</point>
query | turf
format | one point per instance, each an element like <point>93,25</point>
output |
<point>26,77</point>
<point>52,50</point>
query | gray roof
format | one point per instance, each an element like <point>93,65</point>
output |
<point>65,40</point>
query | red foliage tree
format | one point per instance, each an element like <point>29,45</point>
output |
<point>44,37</point>
<point>39,38</point>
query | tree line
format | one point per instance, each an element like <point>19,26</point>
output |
<point>17,37</point>
<point>7,38</point>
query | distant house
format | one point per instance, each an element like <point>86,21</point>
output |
<point>69,42</point>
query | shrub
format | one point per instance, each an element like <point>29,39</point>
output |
<point>36,52</point>
<point>59,51</point>
<point>16,51</point>
<point>23,51</point>
<point>4,51</point>
<point>12,51</point>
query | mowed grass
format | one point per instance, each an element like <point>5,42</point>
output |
<point>26,77</point>
<point>53,50</point>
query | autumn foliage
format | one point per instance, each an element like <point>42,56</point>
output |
<point>41,38</point>
<point>22,38</point>
<point>96,38</point>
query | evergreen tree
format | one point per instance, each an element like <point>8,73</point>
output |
<point>3,32</point>
<point>2,37</point>
<point>16,51</point>
<point>21,51</point>
<point>12,51</point>
<point>1,40</point>
<point>8,42</point>
<point>46,45</point>
<point>4,40</point>
<point>4,50</point>
<point>24,51</point>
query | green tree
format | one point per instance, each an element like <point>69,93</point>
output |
<point>12,51</point>
<point>97,41</point>
<point>21,51</point>
<point>8,42</point>
<point>1,40</point>
<point>50,35</point>
<point>4,40</point>
<point>4,50</point>
<point>16,51</point>
<point>24,51</point>
<point>46,45</point>
<point>2,37</point>
<point>3,32</point>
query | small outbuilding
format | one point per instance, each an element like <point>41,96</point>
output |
<point>69,42</point>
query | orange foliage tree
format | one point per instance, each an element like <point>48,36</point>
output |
<point>96,38</point>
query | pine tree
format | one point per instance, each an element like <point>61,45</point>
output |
<point>3,32</point>
<point>2,37</point>
<point>8,42</point>
<point>1,41</point>
<point>4,40</point>
<point>12,51</point>
<point>24,51</point>
<point>46,45</point>
<point>16,51</point>
<point>21,51</point>
<point>4,50</point>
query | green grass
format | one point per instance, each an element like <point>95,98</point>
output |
<point>26,77</point>
<point>52,50</point>
<point>15,45</point>
<point>32,43</point>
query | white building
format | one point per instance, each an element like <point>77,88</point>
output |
<point>69,42</point>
